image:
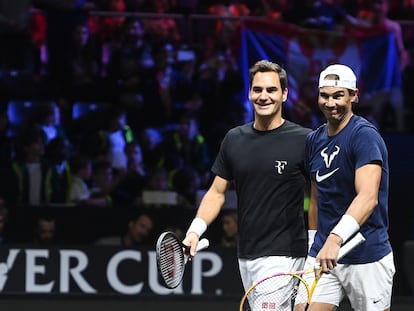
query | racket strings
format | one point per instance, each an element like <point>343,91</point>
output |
<point>278,293</point>
<point>171,261</point>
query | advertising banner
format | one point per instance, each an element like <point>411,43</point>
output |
<point>102,270</point>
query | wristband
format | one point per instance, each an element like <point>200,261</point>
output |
<point>346,227</point>
<point>311,238</point>
<point>198,226</point>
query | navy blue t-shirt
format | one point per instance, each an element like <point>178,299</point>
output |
<point>332,162</point>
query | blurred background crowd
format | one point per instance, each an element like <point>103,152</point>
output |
<point>123,103</point>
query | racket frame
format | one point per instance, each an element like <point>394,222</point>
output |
<point>345,248</point>
<point>183,256</point>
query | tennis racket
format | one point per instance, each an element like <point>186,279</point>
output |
<point>172,256</point>
<point>288,290</point>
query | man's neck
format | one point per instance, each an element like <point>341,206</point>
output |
<point>263,124</point>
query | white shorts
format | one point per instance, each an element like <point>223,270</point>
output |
<point>252,271</point>
<point>367,286</point>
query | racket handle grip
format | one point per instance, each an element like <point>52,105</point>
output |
<point>202,244</point>
<point>348,246</point>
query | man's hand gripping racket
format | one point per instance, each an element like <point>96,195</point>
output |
<point>283,291</point>
<point>172,256</point>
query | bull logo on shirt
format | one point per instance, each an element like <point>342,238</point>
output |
<point>328,158</point>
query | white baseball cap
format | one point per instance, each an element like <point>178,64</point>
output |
<point>347,78</point>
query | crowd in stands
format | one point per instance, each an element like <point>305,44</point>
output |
<point>99,104</point>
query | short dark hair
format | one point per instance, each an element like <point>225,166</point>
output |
<point>267,66</point>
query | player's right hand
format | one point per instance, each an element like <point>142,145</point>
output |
<point>192,240</point>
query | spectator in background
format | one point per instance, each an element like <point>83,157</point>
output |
<point>38,28</point>
<point>59,174</point>
<point>375,13</point>
<point>159,191</point>
<point>80,192</point>
<point>133,181</point>
<point>189,144</point>
<point>222,89</point>
<point>182,87</point>
<point>162,29</point>
<point>208,88</point>
<point>158,99</point>
<point>138,233</point>
<point>118,134</point>
<point>45,230</point>
<point>47,117</point>
<point>230,228</point>
<point>230,86</point>
<point>86,67</point>
<point>103,183</point>
<point>108,28</point>
<point>403,10</point>
<point>186,181</point>
<point>377,17</point>
<point>126,65</point>
<point>62,18</point>
<point>24,182</point>
<point>153,147</point>
<point>109,141</point>
<point>332,16</point>
<point>158,180</point>
<point>226,30</point>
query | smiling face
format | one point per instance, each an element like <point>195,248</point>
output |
<point>336,104</point>
<point>266,94</point>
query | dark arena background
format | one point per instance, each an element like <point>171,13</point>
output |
<point>80,62</point>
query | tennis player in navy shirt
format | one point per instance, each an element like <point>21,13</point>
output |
<point>348,164</point>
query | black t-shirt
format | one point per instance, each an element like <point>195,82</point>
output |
<point>268,170</point>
